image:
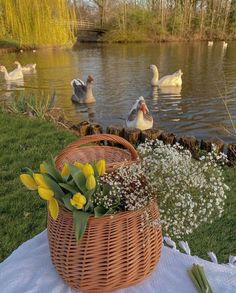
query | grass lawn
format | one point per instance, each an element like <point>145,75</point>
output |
<point>27,142</point>
<point>23,142</point>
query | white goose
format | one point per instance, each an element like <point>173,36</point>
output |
<point>174,79</point>
<point>225,45</point>
<point>210,43</point>
<point>83,93</point>
<point>139,116</point>
<point>26,68</point>
<point>13,75</point>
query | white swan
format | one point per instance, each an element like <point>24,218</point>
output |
<point>13,75</point>
<point>210,43</point>
<point>26,68</point>
<point>83,93</point>
<point>225,45</point>
<point>174,79</point>
<point>139,116</point>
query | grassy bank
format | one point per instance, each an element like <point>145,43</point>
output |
<point>142,35</point>
<point>27,142</point>
<point>23,142</point>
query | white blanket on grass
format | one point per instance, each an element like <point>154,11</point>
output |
<point>29,270</point>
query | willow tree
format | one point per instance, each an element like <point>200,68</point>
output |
<point>38,22</point>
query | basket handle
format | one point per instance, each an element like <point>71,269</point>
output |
<point>108,137</point>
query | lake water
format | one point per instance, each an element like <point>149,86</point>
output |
<point>122,75</point>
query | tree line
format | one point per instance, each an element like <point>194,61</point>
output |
<point>161,19</point>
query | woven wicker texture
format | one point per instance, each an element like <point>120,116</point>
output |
<point>116,251</point>
<point>115,157</point>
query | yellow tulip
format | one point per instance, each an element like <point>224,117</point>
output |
<point>45,193</point>
<point>39,178</point>
<point>53,208</point>
<point>90,182</point>
<point>101,167</point>
<point>78,200</point>
<point>65,170</point>
<point>79,165</point>
<point>88,170</point>
<point>42,169</point>
<point>28,181</point>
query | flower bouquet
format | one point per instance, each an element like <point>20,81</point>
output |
<point>103,224</point>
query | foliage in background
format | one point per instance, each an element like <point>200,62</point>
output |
<point>162,19</point>
<point>36,22</point>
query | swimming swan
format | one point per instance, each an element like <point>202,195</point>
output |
<point>139,116</point>
<point>13,75</point>
<point>225,45</point>
<point>26,68</point>
<point>174,79</point>
<point>83,93</point>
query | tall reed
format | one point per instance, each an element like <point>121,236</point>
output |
<point>37,22</point>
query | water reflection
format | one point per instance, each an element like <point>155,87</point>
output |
<point>122,75</point>
<point>174,91</point>
<point>86,111</point>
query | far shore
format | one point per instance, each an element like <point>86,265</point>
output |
<point>6,47</point>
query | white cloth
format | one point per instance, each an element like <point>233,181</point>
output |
<point>29,270</point>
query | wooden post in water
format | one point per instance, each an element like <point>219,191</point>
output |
<point>95,129</point>
<point>231,154</point>
<point>132,135</point>
<point>82,128</point>
<point>168,138</point>
<point>190,143</point>
<point>151,134</point>
<point>207,144</point>
<point>116,130</point>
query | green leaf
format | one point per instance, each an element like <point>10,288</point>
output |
<point>73,169</point>
<point>105,189</point>
<point>69,187</point>
<point>80,220</point>
<point>54,186</point>
<point>99,211</point>
<point>26,170</point>
<point>78,178</point>
<point>66,200</point>
<point>52,171</point>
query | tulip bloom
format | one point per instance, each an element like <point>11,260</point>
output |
<point>42,169</point>
<point>39,179</point>
<point>79,165</point>
<point>28,181</point>
<point>90,182</point>
<point>65,170</point>
<point>45,193</point>
<point>78,200</point>
<point>88,170</point>
<point>101,167</point>
<point>53,208</point>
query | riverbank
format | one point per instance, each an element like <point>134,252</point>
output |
<point>143,36</point>
<point>8,46</point>
<point>27,142</point>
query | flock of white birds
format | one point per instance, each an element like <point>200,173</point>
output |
<point>139,115</point>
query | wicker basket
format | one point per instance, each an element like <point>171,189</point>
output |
<point>116,251</point>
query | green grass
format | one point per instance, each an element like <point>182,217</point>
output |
<point>27,142</point>
<point>23,142</point>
